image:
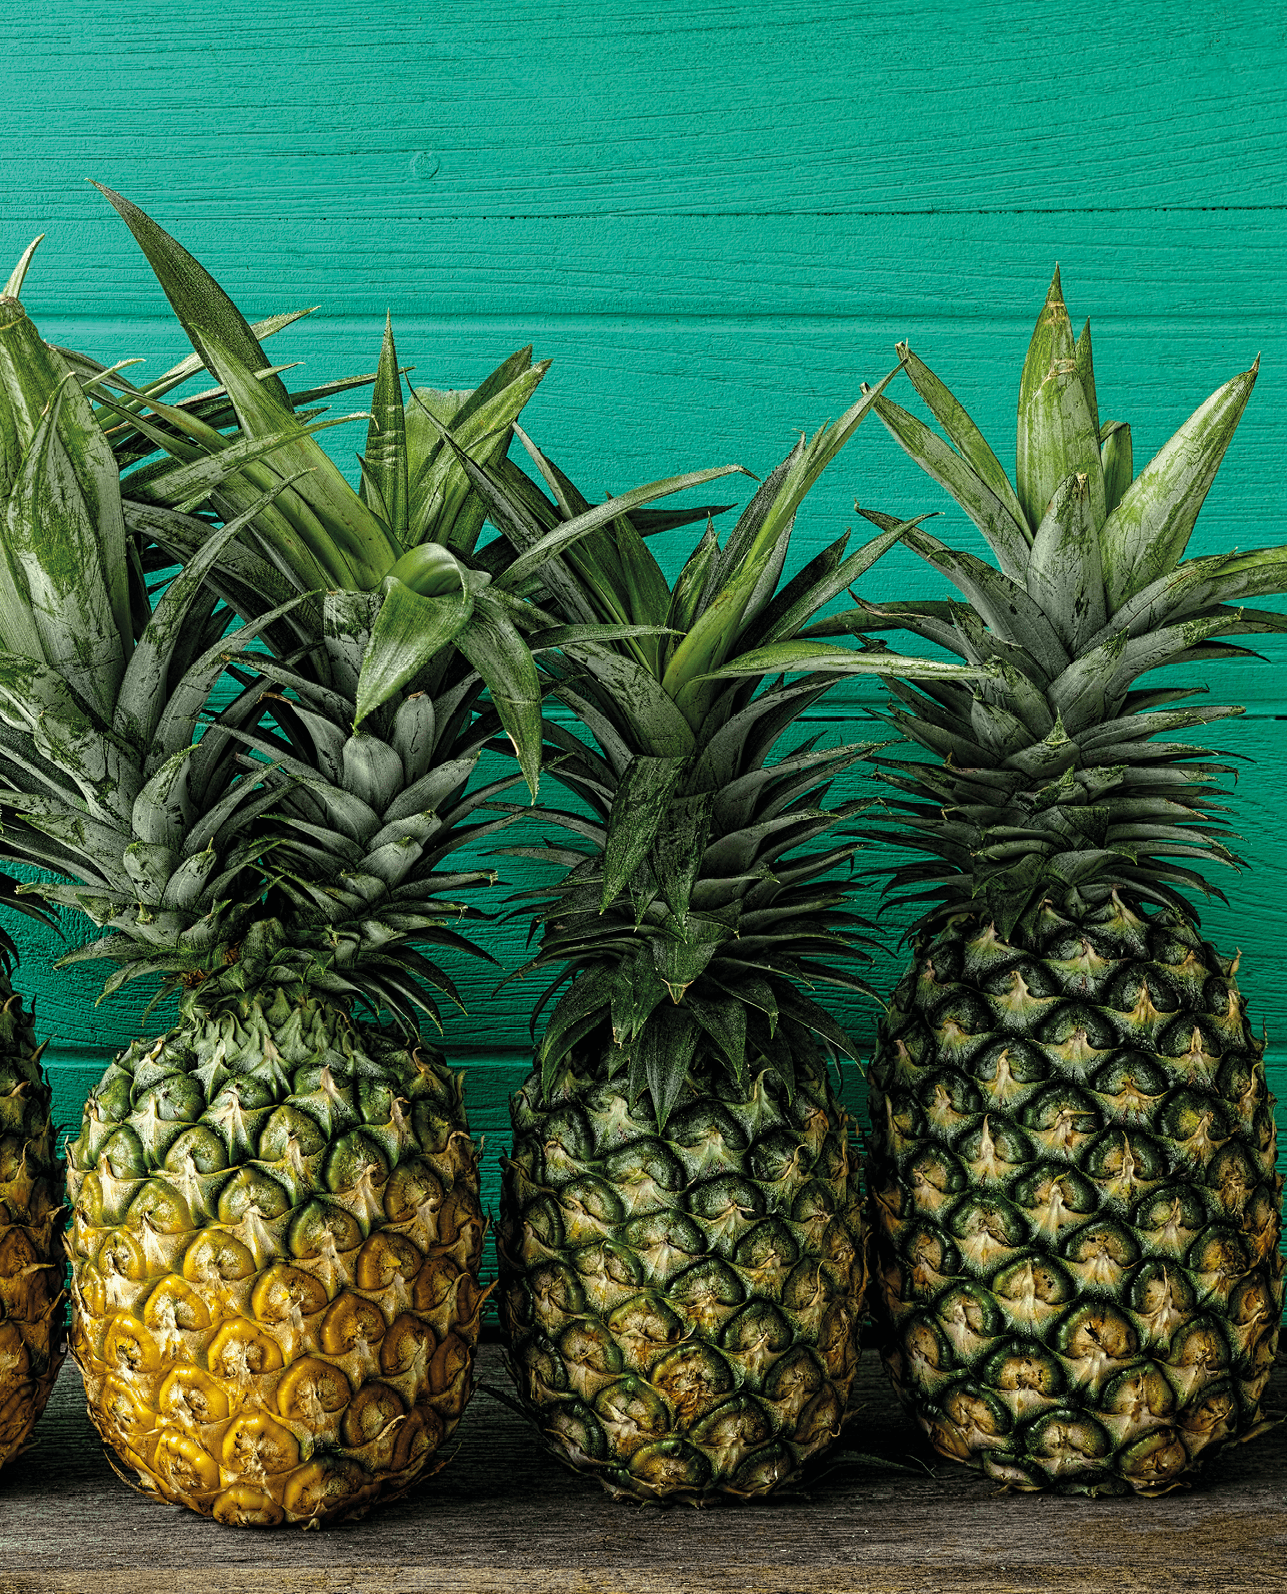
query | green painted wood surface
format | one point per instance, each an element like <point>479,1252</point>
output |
<point>716,220</point>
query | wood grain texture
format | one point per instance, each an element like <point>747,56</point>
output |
<point>563,106</point>
<point>889,1516</point>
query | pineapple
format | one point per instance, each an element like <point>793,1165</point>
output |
<point>277,1231</point>
<point>32,1327</point>
<point>681,1246</point>
<point>1072,1157</point>
<point>298,1283</point>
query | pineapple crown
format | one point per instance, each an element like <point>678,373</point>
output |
<point>1051,785</point>
<point>102,779</point>
<point>172,822</point>
<point>695,901</point>
<point>411,534</point>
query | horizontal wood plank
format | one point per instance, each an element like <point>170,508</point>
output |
<point>566,106</point>
<point>1173,273</point>
<point>888,1516</point>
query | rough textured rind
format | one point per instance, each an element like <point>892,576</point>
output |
<point>275,1254</point>
<point>32,1326</point>
<point>1075,1205</point>
<point>682,1310</point>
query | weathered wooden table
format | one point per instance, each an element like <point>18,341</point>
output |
<point>889,1516</point>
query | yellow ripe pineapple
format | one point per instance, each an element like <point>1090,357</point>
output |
<point>276,1247</point>
<point>32,1321</point>
<point>277,1233</point>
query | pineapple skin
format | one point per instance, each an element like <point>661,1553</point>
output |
<point>681,1311</point>
<point>1075,1208</point>
<point>33,1331</point>
<point>275,1248</point>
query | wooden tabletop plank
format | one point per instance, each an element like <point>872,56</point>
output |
<point>887,1516</point>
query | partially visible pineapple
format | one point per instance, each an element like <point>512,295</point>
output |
<point>682,1251</point>
<point>32,1325</point>
<point>1072,1166</point>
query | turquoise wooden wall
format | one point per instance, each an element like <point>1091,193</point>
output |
<point>716,220</point>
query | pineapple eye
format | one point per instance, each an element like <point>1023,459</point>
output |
<point>632,1412</point>
<point>201,1148</point>
<point>242,1350</point>
<point>160,1209</point>
<point>244,1506</point>
<point>283,1291</point>
<point>1095,1332</point>
<point>258,1445</point>
<point>321,1488</point>
<point>1025,1366</point>
<point>725,1203</point>
<point>693,1378</point>
<point>590,1207</point>
<point>369,1414</point>
<point>707,1290</point>
<point>355,1160</point>
<point>322,1227</point>
<point>252,1193</point>
<point>290,1130</point>
<point>350,1322</point>
<point>408,1342</point>
<point>215,1257</point>
<point>130,1347</point>
<point>645,1324</point>
<point>123,1157</point>
<point>174,1098</point>
<point>186,1465</point>
<point>190,1393</point>
<point>578,1430</point>
<point>177,1305</point>
<point>384,1258</point>
<point>13,1151</point>
<point>556,1288</point>
<point>768,1248</point>
<point>1068,1432</point>
<point>412,1189</point>
<point>589,1347</point>
<point>419,1435</point>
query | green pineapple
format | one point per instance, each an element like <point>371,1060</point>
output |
<point>1072,1157</point>
<point>682,1252</point>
